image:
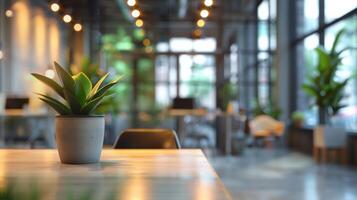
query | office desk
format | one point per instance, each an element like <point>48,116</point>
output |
<point>35,121</point>
<point>125,174</point>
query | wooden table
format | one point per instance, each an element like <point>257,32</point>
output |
<point>126,174</point>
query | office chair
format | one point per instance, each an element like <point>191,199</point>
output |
<point>147,139</point>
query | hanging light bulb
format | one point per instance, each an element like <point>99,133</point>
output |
<point>77,27</point>
<point>50,73</point>
<point>139,23</point>
<point>55,7</point>
<point>146,42</point>
<point>67,18</point>
<point>131,3</point>
<point>204,13</point>
<point>208,3</point>
<point>201,23</point>
<point>9,13</point>
<point>135,13</point>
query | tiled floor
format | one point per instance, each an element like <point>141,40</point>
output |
<point>261,174</point>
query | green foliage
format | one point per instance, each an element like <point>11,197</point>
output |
<point>80,97</point>
<point>297,116</point>
<point>10,192</point>
<point>271,109</point>
<point>227,93</point>
<point>322,84</point>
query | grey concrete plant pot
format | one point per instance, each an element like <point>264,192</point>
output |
<point>79,138</point>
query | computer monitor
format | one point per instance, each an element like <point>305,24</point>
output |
<point>183,103</point>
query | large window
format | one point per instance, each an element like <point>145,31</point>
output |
<point>255,58</point>
<point>186,68</point>
<point>266,49</point>
<point>333,17</point>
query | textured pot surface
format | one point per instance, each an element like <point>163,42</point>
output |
<point>79,139</point>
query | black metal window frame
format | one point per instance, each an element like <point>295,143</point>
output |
<point>296,40</point>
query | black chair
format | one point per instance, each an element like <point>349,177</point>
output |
<point>147,139</point>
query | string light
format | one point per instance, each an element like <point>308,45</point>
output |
<point>55,7</point>
<point>208,3</point>
<point>139,23</point>
<point>77,27</point>
<point>131,3</point>
<point>135,13</point>
<point>9,13</point>
<point>204,13</point>
<point>67,18</point>
<point>197,33</point>
<point>146,42</point>
<point>201,23</point>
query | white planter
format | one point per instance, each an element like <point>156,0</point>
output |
<point>329,137</point>
<point>79,139</point>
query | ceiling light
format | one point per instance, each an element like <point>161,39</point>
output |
<point>77,27</point>
<point>148,49</point>
<point>67,18</point>
<point>50,73</point>
<point>131,2</point>
<point>208,3</point>
<point>55,7</point>
<point>146,42</point>
<point>9,13</point>
<point>204,13</point>
<point>201,23</point>
<point>139,23</point>
<point>135,13</point>
<point>197,33</point>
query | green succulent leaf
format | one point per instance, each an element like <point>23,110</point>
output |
<point>98,84</point>
<point>72,101</point>
<point>65,78</point>
<point>93,104</point>
<point>51,83</point>
<point>58,106</point>
<point>105,88</point>
<point>82,98</point>
<point>83,87</point>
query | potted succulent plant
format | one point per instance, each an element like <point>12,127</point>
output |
<point>79,132</point>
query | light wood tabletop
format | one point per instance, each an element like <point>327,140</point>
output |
<point>121,174</point>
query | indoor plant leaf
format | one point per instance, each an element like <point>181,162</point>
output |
<point>83,87</point>
<point>55,86</point>
<point>65,78</point>
<point>61,108</point>
<point>336,41</point>
<point>98,84</point>
<point>105,88</point>
<point>93,104</point>
<point>72,101</point>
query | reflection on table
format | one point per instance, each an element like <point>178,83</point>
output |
<point>121,174</point>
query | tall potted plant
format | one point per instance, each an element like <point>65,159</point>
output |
<point>79,132</point>
<point>326,90</point>
<point>228,93</point>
